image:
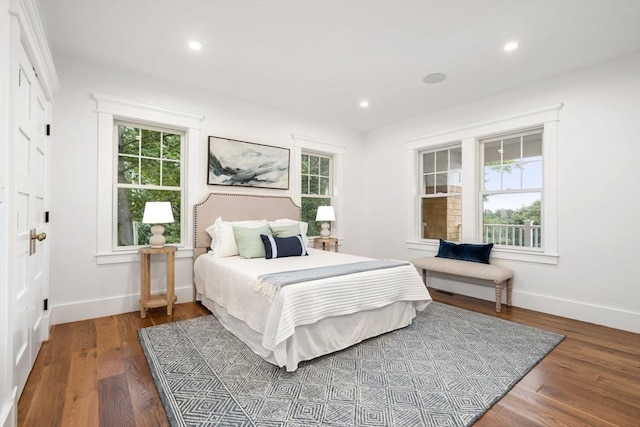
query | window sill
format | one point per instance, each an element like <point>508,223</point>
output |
<point>496,253</point>
<point>132,256</point>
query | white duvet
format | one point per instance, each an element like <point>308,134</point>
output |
<point>231,282</point>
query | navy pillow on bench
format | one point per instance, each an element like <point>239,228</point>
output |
<point>465,251</point>
<point>279,247</point>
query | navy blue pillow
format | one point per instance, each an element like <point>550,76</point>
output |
<point>279,247</point>
<point>465,251</point>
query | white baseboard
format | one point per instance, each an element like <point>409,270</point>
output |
<point>591,313</point>
<point>577,310</point>
<point>83,310</point>
<point>586,312</point>
<point>9,411</point>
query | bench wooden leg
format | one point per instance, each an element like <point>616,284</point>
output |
<point>509,291</point>
<point>498,297</point>
<point>424,277</point>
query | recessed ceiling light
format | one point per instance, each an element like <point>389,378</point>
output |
<point>195,45</point>
<point>511,46</point>
<point>364,104</point>
<point>434,78</point>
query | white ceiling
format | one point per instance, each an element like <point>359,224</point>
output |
<point>319,59</point>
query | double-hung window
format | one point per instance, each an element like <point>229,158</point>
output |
<point>143,150</point>
<point>497,185</point>
<point>511,191</point>
<point>441,194</point>
<point>149,168</point>
<point>316,187</point>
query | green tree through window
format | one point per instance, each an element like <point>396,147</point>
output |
<point>316,184</point>
<point>149,169</point>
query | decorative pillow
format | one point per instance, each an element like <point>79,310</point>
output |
<point>304,227</point>
<point>284,230</point>
<point>465,251</point>
<point>223,242</point>
<point>280,247</point>
<point>212,229</point>
<point>249,242</point>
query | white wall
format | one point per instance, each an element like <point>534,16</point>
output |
<point>597,278</point>
<point>80,288</point>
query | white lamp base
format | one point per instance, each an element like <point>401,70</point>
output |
<point>325,232</point>
<point>157,239</point>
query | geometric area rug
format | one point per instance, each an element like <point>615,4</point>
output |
<point>446,369</point>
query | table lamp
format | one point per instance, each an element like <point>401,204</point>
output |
<point>157,213</point>
<point>325,213</point>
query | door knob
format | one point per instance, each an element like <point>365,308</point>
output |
<point>35,236</point>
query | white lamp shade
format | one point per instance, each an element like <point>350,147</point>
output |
<point>325,213</point>
<point>157,213</point>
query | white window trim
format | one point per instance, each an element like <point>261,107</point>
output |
<point>469,137</point>
<point>304,143</point>
<point>110,108</point>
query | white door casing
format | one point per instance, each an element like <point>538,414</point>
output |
<point>29,257</point>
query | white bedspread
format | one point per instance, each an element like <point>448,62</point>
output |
<point>231,283</point>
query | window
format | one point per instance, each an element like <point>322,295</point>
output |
<point>511,190</point>
<point>503,172</point>
<point>149,162</point>
<point>142,163</point>
<point>316,187</point>
<point>441,194</point>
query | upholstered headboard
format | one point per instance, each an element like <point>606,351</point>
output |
<point>237,207</point>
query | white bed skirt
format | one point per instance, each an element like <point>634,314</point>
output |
<point>320,338</point>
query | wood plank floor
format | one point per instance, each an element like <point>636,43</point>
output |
<point>94,373</point>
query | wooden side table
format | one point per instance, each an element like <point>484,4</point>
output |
<point>325,243</point>
<point>146,299</point>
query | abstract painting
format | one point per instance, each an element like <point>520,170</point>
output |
<point>246,164</point>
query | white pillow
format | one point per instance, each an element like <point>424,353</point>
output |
<point>303,227</point>
<point>223,242</point>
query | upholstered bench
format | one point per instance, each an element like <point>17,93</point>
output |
<point>494,273</point>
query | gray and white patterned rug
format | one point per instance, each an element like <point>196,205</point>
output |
<point>446,369</point>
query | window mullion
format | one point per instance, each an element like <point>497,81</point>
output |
<point>160,159</point>
<point>521,161</point>
<point>139,139</point>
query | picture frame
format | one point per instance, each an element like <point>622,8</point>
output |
<point>232,162</point>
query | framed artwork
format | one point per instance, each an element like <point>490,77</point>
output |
<point>247,164</point>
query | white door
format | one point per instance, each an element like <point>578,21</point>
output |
<point>29,255</point>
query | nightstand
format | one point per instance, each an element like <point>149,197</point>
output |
<point>326,243</point>
<point>146,299</point>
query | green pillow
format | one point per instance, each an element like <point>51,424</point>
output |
<point>249,242</point>
<point>285,230</point>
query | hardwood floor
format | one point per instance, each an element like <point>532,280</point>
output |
<point>94,373</point>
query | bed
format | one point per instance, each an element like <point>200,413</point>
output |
<point>304,320</point>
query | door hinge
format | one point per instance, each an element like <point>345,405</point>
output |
<point>46,216</point>
<point>48,130</point>
<point>34,71</point>
<point>45,304</point>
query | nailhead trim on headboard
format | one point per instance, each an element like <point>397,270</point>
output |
<point>288,204</point>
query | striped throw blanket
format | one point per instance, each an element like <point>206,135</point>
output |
<point>269,285</point>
